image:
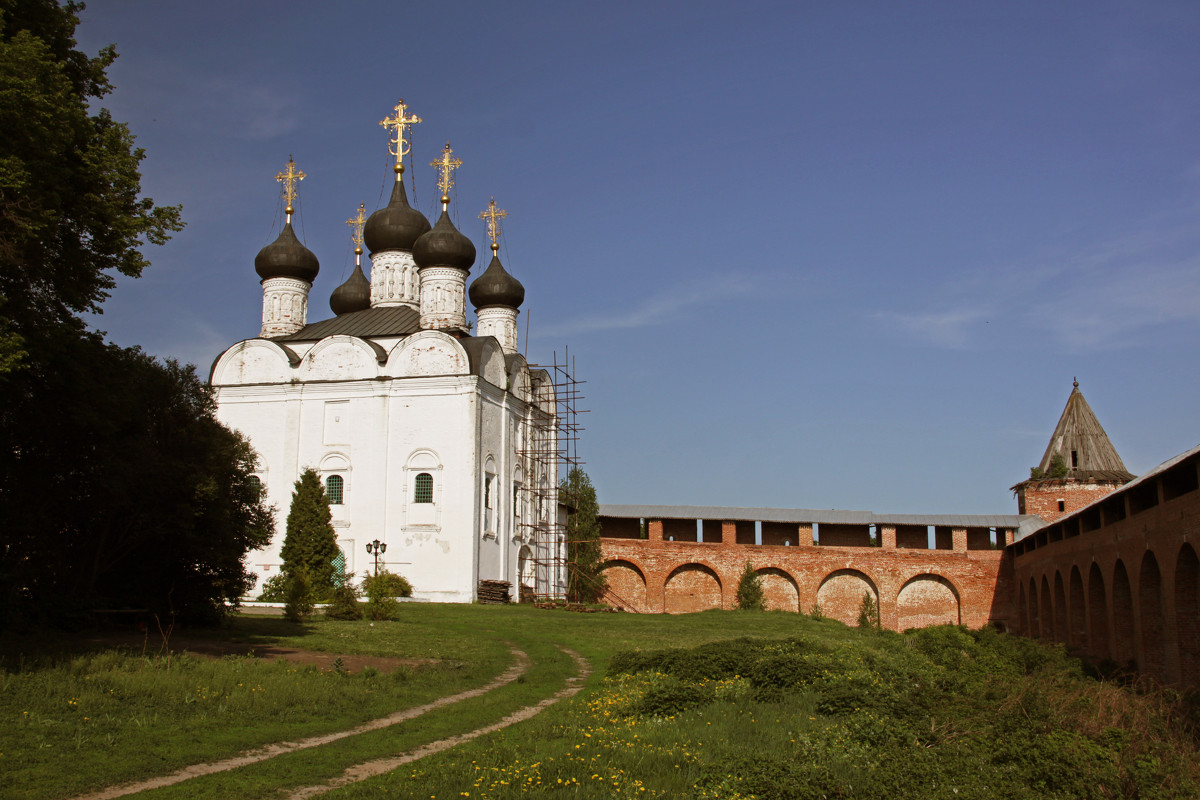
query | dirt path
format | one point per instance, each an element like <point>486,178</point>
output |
<point>369,769</point>
<point>519,667</point>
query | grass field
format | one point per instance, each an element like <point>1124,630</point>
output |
<point>718,704</point>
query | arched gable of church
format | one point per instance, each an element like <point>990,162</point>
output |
<point>427,353</point>
<point>341,358</point>
<point>254,361</point>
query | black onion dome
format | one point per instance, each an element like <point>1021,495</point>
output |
<point>444,246</point>
<point>395,226</point>
<point>495,287</point>
<point>287,258</point>
<point>353,295</point>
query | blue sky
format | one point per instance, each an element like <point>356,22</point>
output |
<point>815,255</point>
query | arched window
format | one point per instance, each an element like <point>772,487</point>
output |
<point>254,481</point>
<point>423,488</point>
<point>333,487</point>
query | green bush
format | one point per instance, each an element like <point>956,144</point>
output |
<point>750,590</point>
<point>386,584</point>
<point>274,589</point>
<point>344,605</point>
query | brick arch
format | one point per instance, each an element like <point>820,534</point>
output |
<point>694,586</point>
<point>1187,614</point>
<point>1046,612</point>
<point>841,592</point>
<point>1023,610</point>
<point>1097,614</point>
<point>1124,648</point>
<point>1061,630</point>
<point>1152,616</point>
<point>627,583</point>
<point>1035,617</point>
<point>1076,611</point>
<point>928,599</point>
<point>780,589</point>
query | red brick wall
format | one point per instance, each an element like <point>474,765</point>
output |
<point>1126,589</point>
<point>655,576</point>
<point>1042,499</point>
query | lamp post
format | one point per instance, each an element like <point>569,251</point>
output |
<point>375,548</point>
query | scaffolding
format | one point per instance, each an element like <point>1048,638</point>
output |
<point>550,450</point>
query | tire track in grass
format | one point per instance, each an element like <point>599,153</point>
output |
<point>380,766</point>
<point>519,667</point>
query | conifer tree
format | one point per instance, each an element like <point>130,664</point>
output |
<point>585,583</point>
<point>311,544</point>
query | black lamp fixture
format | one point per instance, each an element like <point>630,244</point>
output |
<point>375,548</point>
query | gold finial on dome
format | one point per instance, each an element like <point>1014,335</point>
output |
<point>397,144</point>
<point>289,177</point>
<point>446,166</point>
<point>356,230</point>
<point>493,216</point>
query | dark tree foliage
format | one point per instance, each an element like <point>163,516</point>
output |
<point>311,544</point>
<point>121,490</point>
<point>585,582</point>
<point>71,214</point>
<point>118,487</point>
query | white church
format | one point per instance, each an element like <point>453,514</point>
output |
<point>439,443</point>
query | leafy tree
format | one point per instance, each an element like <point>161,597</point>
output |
<point>71,214</point>
<point>585,581</point>
<point>311,544</point>
<point>750,590</point>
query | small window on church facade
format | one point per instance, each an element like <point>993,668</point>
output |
<point>1074,459</point>
<point>255,481</point>
<point>333,487</point>
<point>1062,505</point>
<point>423,488</point>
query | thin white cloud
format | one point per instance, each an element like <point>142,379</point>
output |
<point>1098,297</point>
<point>653,311</point>
<point>945,328</point>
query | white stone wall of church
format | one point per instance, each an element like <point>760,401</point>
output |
<point>384,425</point>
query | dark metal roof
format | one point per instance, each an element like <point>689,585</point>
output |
<point>386,321</point>
<point>818,515</point>
<point>287,258</point>
<point>495,287</point>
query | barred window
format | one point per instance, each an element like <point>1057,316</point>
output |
<point>333,488</point>
<point>254,481</point>
<point>423,488</point>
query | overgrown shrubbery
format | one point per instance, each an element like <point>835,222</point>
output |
<point>344,605</point>
<point>934,713</point>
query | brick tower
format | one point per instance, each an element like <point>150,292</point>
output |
<point>1080,465</point>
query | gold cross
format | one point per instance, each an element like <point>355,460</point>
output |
<point>356,224</point>
<point>289,178</point>
<point>446,165</point>
<point>493,217</point>
<point>397,144</point>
